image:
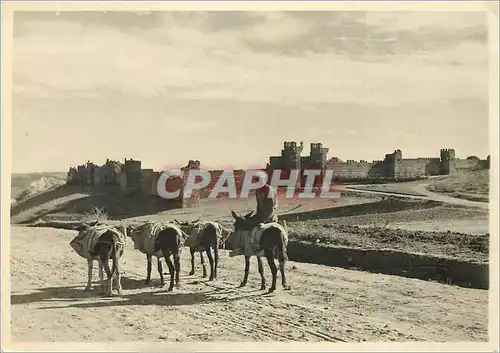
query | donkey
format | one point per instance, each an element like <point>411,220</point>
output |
<point>271,241</point>
<point>145,238</point>
<point>102,243</point>
<point>170,242</point>
<point>203,236</point>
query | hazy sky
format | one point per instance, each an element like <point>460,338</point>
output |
<point>228,88</point>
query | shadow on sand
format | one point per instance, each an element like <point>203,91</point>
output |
<point>69,293</point>
<point>158,297</point>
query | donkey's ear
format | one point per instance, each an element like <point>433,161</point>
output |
<point>235,216</point>
<point>248,215</point>
<point>79,227</point>
<point>124,228</point>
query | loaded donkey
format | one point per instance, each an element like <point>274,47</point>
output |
<point>203,236</point>
<point>160,240</point>
<point>101,242</point>
<point>261,235</point>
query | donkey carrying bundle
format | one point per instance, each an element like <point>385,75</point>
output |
<point>159,240</point>
<point>102,243</point>
<point>203,236</point>
<point>264,240</point>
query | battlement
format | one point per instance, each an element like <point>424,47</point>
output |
<point>292,146</point>
<point>447,154</point>
<point>421,159</point>
<point>132,161</point>
<point>192,164</point>
<point>110,162</point>
<point>337,161</point>
<point>318,149</point>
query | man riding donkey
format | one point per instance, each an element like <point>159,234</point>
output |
<point>261,235</point>
<point>266,206</point>
<point>265,212</point>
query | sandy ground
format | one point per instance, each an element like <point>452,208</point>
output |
<point>325,304</point>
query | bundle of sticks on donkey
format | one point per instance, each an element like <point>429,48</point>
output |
<point>102,243</point>
<point>167,239</point>
<point>254,235</point>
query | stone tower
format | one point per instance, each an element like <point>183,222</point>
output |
<point>448,163</point>
<point>394,164</point>
<point>290,155</point>
<point>318,155</point>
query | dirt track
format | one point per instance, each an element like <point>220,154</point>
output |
<point>325,304</point>
<point>419,189</point>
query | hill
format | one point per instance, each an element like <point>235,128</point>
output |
<point>22,182</point>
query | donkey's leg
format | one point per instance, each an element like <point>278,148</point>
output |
<point>192,251</point>
<point>216,259</point>
<point>101,271</point>
<point>247,269</point>
<point>202,260</point>
<point>286,286</point>
<point>149,259</point>
<point>118,276</point>
<point>101,276</point>
<point>270,260</point>
<point>177,265</point>
<point>90,264</point>
<point>109,280</point>
<point>282,261</point>
<point>211,262</point>
<point>172,271</point>
<point>160,271</point>
<point>261,272</point>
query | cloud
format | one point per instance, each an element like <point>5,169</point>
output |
<point>382,33</point>
<point>288,58</point>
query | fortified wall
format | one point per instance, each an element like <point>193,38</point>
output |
<point>129,177</point>
<point>392,167</point>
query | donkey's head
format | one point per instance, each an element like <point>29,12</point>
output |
<point>187,227</point>
<point>225,233</point>
<point>84,225</point>
<point>242,223</point>
<point>136,232</point>
<point>129,229</point>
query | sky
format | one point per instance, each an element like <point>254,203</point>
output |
<point>228,88</point>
